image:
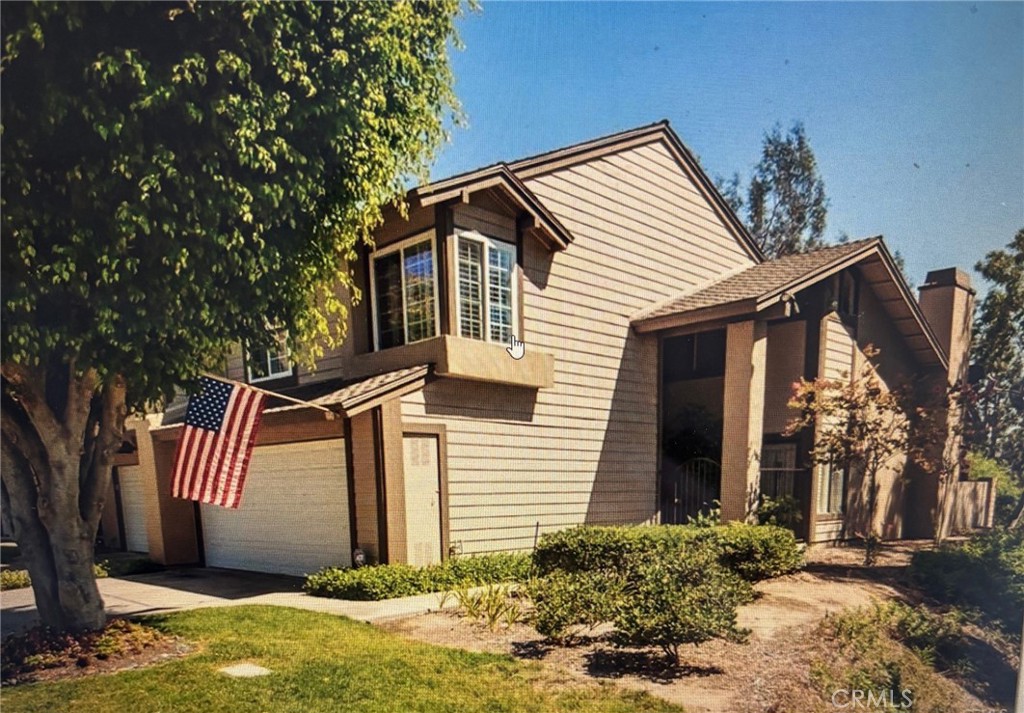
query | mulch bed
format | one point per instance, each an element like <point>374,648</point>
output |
<point>42,654</point>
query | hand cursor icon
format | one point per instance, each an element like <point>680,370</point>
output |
<point>515,348</point>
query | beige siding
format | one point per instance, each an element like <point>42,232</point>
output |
<point>785,366</point>
<point>523,462</point>
<point>838,347</point>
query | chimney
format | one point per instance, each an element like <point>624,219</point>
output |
<point>947,301</point>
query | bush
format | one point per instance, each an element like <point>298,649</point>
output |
<point>19,579</point>
<point>755,552</point>
<point>564,601</point>
<point>758,552</point>
<point>14,579</point>
<point>887,650</point>
<point>402,580</point>
<point>671,601</point>
<point>985,573</point>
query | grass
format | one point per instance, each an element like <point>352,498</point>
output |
<point>320,663</point>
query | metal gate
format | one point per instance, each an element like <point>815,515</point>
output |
<point>690,489</point>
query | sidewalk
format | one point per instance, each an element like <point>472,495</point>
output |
<point>194,588</point>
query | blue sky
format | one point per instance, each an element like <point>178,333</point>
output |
<point>915,111</point>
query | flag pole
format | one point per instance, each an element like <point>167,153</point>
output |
<point>331,415</point>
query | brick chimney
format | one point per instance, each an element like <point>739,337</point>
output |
<point>947,301</point>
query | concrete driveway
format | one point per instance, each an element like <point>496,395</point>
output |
<point>196,587</point>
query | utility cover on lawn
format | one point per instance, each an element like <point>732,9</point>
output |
<point>244,670</point>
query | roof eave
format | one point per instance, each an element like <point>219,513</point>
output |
<point>713,313</point>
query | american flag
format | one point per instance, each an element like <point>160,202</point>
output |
<point>214,448</point>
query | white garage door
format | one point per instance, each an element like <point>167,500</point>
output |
<point>294,513</point>
<point>133,508</point>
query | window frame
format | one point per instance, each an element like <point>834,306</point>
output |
<point>400,246</point>
<point>489,243</point>
<point>271,376</point>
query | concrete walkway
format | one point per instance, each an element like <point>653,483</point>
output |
<point>194,588</point>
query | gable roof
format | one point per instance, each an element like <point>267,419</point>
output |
<point>498,176</point>
<point>761,286</point>
<point>510,175</point>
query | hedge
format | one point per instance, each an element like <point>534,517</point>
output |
<point>401,580</point>
<point>754,552</point>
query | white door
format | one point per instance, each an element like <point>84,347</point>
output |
<point>293,518</point>
<point>133,508</point>
<point>422,499</point>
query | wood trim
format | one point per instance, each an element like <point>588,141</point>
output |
<point>439,430</point>
<point>200,542</point>
<point>125,458</point>
<point>350,483</point>
<point>520,277</point>
<point>119,509</point>
<point>382,501</point>
<point>442,236</point>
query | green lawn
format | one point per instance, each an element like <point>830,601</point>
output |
<point>319,663</point>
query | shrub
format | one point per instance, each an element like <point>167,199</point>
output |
<point>883,650</point>
<point>754,552</point>
<point>784,510</point>
<point>936,639</point>
<point>671,601</point>
<point>19,578</point>
<point>564,601</point>
<point>985,573</point>
<point>758,552</point>
<point>14,579</point>
<point>402,580</point>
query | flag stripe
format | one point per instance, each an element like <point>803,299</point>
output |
<point>241,468</point>
<point>214,448</point>
<point>225,444</point>
<point>240,414</point>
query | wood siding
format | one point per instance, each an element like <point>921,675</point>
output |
<point>523,462</point>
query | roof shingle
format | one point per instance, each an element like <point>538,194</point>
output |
<point>754,282</point>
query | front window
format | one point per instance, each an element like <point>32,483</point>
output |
<point>487,289</point>
<point>778,469</point>
<point>404,289</point>
<point>270,363</point>
<point>831,489</point>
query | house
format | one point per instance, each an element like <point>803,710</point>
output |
<point>660,351</point>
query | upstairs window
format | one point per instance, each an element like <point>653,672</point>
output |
<point>270,363</point>
<point>404,288</point>
<point>487,292</point>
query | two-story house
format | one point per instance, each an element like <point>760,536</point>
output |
<point>661,349</point>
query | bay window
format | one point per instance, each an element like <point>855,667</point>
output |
<point>486,292</point>
<point>404,291</point>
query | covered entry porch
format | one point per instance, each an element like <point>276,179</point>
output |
<point>729,355</point>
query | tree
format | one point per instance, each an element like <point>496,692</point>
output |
<point>177,177</point>
<point>997,410</point>
<point>786,207</point>
<point>861,427</point>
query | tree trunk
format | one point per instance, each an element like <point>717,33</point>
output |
<point>56,469</point>
<point>1017,519</point>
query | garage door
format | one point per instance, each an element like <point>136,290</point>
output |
<point>133,508</point>
<point>294,513</point>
